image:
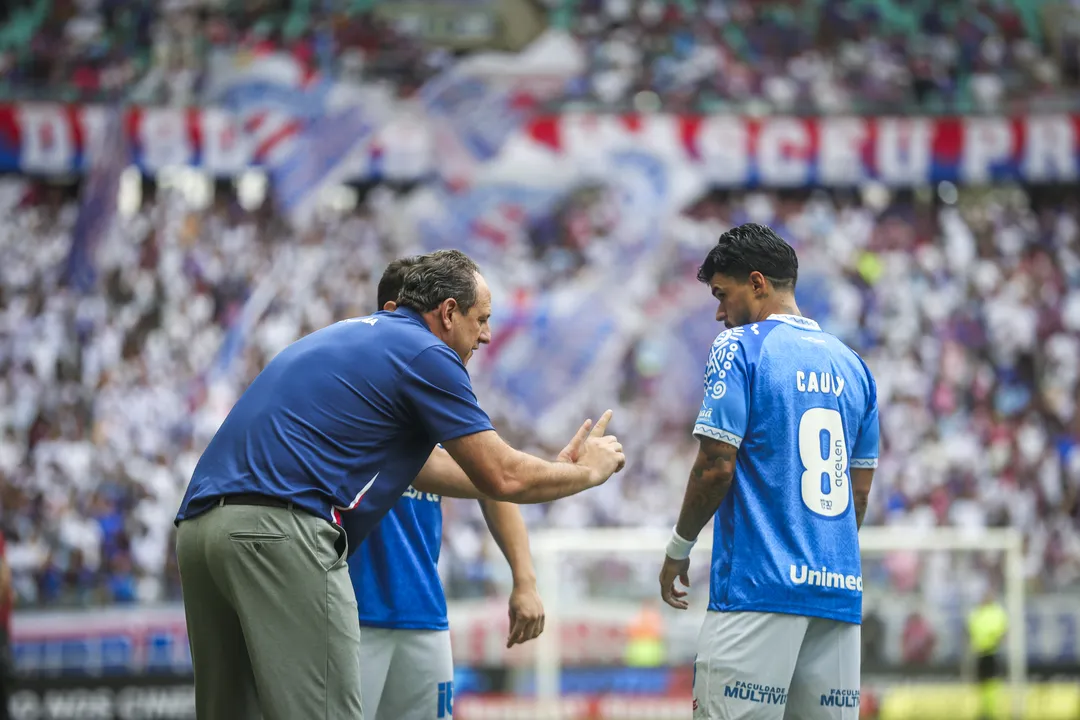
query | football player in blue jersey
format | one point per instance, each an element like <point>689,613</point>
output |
<point>406,667</point>
<point>788,433</point>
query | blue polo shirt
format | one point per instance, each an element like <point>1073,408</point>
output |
<point>341,421</point>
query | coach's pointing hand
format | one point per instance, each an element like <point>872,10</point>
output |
<point>572,450</point>
<point>601,454</point>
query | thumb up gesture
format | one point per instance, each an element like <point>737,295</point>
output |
<point>591,448</point>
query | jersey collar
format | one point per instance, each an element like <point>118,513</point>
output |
<point>803,323</point>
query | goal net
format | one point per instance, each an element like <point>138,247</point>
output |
<point>919,585</point>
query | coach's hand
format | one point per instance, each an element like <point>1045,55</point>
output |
<point>526,615</point>
<point>602,454</point>
<point>674,569</point>
<point>572,451</point>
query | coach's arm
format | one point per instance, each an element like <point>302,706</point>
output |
<point>502,473</point>
<point>442,476</point>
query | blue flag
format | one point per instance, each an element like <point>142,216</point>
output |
<point>98,201</point>
<point>320,157</point>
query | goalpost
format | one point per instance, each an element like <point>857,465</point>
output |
<point>552,547</point>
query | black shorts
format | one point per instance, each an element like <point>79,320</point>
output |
<point>987,667</point>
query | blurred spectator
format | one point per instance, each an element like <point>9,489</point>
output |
<point>968,315</point>
<point>820,56</point>
<point>918,641</point>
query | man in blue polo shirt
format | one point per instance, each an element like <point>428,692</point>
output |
<point>407,666</point>
<point>338,423</point>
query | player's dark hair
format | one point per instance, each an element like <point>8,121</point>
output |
<point>746,248</point>
<point>392,279</point>
<point>439,276</point>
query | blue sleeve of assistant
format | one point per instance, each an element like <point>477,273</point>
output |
<point>725,409</point>
<point>865,452</point>
<point>437,388</point>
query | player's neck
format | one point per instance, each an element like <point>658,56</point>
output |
<point>778,305</point>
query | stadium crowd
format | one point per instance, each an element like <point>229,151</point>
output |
<point>967,308</point>
<point>813,55</point>
<point>826,56</point>
<point>968,313</point>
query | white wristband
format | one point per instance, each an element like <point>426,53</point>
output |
<point>678,548</point>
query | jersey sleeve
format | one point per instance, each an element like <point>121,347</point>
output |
<point>437,388</point>
<point>865,452</point>
<point>725,409</point>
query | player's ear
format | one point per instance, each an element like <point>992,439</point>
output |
<point>758,283</point>
<point>389,306</point>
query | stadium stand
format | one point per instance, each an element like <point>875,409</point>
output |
<point>816,56</point>
<point>963,298</point>
<point>824,55</point>
<point>969,313</point>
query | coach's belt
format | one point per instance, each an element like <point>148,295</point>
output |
<point>255,499</point>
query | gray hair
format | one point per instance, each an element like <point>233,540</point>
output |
<point>437,277</point>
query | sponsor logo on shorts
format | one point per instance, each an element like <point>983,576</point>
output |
<point>446,700</point>
<point>802,575</point>
<point>752,692</point>
<point>841,699</point>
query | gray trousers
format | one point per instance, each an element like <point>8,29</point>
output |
<point>407,674</point>
<point>271,615</point>
<point>771,666</point>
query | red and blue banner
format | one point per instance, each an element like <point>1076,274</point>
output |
<point>842,151</point>
<point>727,150</point>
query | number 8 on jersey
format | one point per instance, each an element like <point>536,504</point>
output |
<point>823,452</point>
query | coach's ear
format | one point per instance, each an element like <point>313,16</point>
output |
<point>447,309</point>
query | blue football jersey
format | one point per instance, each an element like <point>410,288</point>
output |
<point>395,572</point>
<point>801,407</point>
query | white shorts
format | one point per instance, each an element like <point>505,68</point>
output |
<point>769,666</point>
<point>406,674</point>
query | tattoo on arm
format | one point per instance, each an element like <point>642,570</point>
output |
<point>710,480</point>
<point>861,501</point>
<point>861,481</point>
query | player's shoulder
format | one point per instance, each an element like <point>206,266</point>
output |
<point>849,354</point>
<point>739,339</point>
<point>744,342</point>
<point>728,347</point>
<point>796,334</point>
